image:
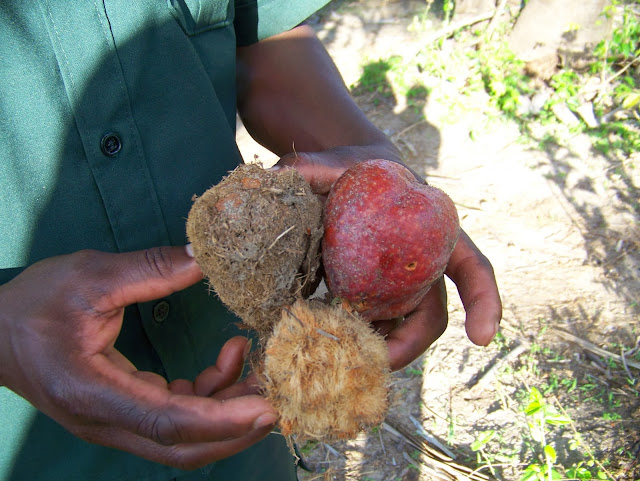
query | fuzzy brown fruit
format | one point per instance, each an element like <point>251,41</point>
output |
<point>387,238</point>
<point>256,237</point>
<point>326,371</point>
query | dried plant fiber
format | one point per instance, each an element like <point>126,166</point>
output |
<point>256,237</point>
<point>326,372</point>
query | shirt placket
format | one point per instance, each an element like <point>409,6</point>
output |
<point>100,100</point>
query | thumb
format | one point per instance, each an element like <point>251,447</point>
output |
<point>148,274</point>
<point>319,169</point>
<point>322,169</point>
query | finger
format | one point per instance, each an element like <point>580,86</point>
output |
<point>182,386</point>
<point>123,364</point>
<point>473,275</point>
<point>146,275</point>
<point>420,328</point>
<point>201,454</point>
<point>152,378</point>
<point>385,326</point>
<point>227,371</point>
<point>186,456</point>
<point>318,174</point>
<point>122,400</point>
<point>322,169</point>
<point>248,386</point>
<point>228,368</point>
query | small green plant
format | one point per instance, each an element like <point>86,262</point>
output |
<point>541,415</point>
<point>569,384</point>
<point>618,56</point>
<point>413,372</point>
<point>308,447</point>
<point>566,86</point>
<point>611,416</point>
<point>542,418</point>
<point>447,8</point>
<point>504,79</point>
<point>579,472</point>
<point>617,138</point>
<point>479,446</point>
<point>374,77</point>
<point>624,43</point>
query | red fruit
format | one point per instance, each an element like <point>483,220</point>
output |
<point>387,238</point>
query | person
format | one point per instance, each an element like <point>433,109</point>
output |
<point>116,361</point>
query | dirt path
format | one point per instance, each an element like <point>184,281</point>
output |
<point>560,225</point>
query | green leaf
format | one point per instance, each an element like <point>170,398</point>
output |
<point>535,395</point>
<point>555,474</point>
<point>631,100</point>
<point>550,453</point>
<point>574,443</point>
<point>579,473</point>
<point>534,472</point>
<point>482,440</point>
<point>532,408</point>
<point>537,432</point>
<point>556,419</point>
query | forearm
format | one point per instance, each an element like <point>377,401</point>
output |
<point>292,97</point>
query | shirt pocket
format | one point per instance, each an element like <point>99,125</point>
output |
<point>197,16</point>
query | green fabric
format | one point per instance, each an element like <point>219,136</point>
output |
<point>160,75</point>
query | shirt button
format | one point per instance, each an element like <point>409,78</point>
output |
<point>161,311</point>
<point>110,144</point>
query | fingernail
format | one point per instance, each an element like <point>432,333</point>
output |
<point>189,250</point>
<point>268,419</point>
<point>275,168</point>
<point>496,328</point>
<point>247,349</point>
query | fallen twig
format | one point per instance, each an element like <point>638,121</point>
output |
<point>408,128</point>
<point>450,29</point>
<point>384,451</point>
<point>490,374</point>
<point>332,450</point>
<point>624,364</point>
<point>467,206</point>
<point>595,349</point>
<point>455,26</point>
<point>431,439</point>
<point>439,463</point>
<point>494,19</point>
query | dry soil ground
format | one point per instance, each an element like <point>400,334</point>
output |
<point>560,225</point>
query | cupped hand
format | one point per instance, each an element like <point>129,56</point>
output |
<point>468,268</point>
<point>473,276</point>
<point>60,319</point>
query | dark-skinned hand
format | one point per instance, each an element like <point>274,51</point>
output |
<point>468,268</point>
<point>59,321</point>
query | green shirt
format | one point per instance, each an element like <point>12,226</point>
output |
<point>113,114</point>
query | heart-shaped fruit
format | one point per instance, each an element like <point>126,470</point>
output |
<point>388,237</point>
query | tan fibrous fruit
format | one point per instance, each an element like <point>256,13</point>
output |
<point>256,237</point>
<point>326,371</point>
